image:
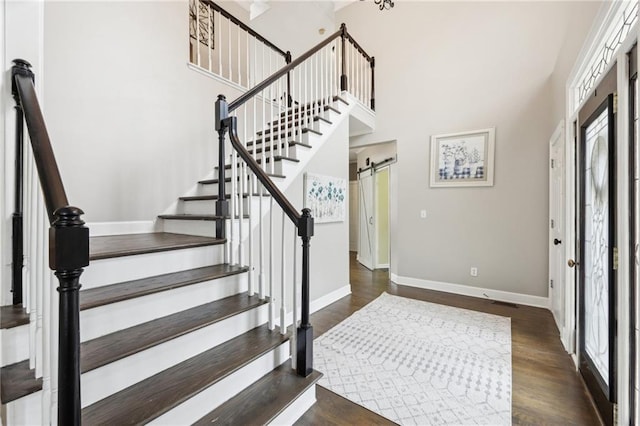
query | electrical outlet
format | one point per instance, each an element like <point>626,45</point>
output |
<point>474,271</point>
<point>423,214</point>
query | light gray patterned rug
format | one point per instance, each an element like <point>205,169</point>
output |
<point>420,363</point>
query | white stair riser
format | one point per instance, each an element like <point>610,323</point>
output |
<point>106,319</point>
<point>205,228</point>
<point>15,344</point>
<point>296,408</point>
<point>118,375</point>
<point>201,404</point>
<point>23,411</point>
<point>126,268</point>
<point>204,206</point>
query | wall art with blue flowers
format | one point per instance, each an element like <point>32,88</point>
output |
<point>326,196</point>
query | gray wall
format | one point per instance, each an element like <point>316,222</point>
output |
<point>330,243</point>
<point>444,67</point>
<point>131,124</point>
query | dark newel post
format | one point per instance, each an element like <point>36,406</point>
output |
<point>21,67</point>
<point>305,331</point>
<point>287,59</point>
<point>343,76</point>
<point>68,254</point>
<point>373,83</point>
<point>222,205</point>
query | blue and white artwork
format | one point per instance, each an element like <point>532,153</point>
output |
<point>462,159</point>
<point>326,196</point>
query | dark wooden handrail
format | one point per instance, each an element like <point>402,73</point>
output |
<point>244,26</point>
<point>52,188</point>
<point>357,45</point>
<point>68,241</point>
<point>265,180</point>
<point>281,72</point>
<point>303,221</point>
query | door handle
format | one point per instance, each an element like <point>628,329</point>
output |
<point>572,263</point>
<point>556,241</point>
<point>371,220</point>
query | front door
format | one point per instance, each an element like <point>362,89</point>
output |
<point>596,235</point>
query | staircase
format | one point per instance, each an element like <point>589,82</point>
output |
<point>169,331</point>
<point>180,325</point>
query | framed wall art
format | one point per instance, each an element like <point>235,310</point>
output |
<point>326,196</point>
<point>462,159</point>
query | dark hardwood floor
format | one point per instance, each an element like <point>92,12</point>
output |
<point>547,390</point>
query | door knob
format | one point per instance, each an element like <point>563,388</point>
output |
<point>556,241</point>
<point>572,263</point>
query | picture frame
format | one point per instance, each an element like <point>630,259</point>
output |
<point>326,196</point>
<point>462,159</point>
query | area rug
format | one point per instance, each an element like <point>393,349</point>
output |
<point>419,363</point>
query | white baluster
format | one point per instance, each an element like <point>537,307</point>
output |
<point>229,49</point>
<point>42,232</point>
<point>29,268</point>
<point>272,296</point>
<point>232,209</point>
<point>283,282</point>
<point>241,190</point>
<point>261,276</point>
<point>294,294</point>
<point>252,289</point>
<point>248,44</point>
<point>239,56</point>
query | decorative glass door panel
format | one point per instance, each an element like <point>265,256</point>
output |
<point>596,245</point>
<point>596,170</point>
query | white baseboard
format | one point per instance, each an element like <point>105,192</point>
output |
<point>329,298</point>
<point>483,293</point>
<point>319,303</point>
<point>98,229</point>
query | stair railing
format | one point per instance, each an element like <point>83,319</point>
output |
<point>68,238</point>
<point>225,46</point>
<point>264,125</point>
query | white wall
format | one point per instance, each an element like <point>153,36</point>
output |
<point>294,25</point>
<point>444,67</point>
<point>131,125</point>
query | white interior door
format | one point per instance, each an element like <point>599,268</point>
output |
<point>557,237</point>
<point>354,218</point>
<point>366,208</point>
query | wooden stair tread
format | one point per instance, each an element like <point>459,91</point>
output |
<point>306,110</point>
<point>283,135</point>
<point>104,295</point>
<point>290,143</point>
<point>280,132</point>
<point>213,197</point>
<point>296,120</point>
<point>337,98</point>
<point>132,244</point>
<point>260,148</point>
<point>228,179</point>
<point>17,380</point>
<point>268,160</point>
<point>13,316</point>
<point>120,344</point>
<point>152,397</point>
<point>210,217</point>
<point>261,402</point>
